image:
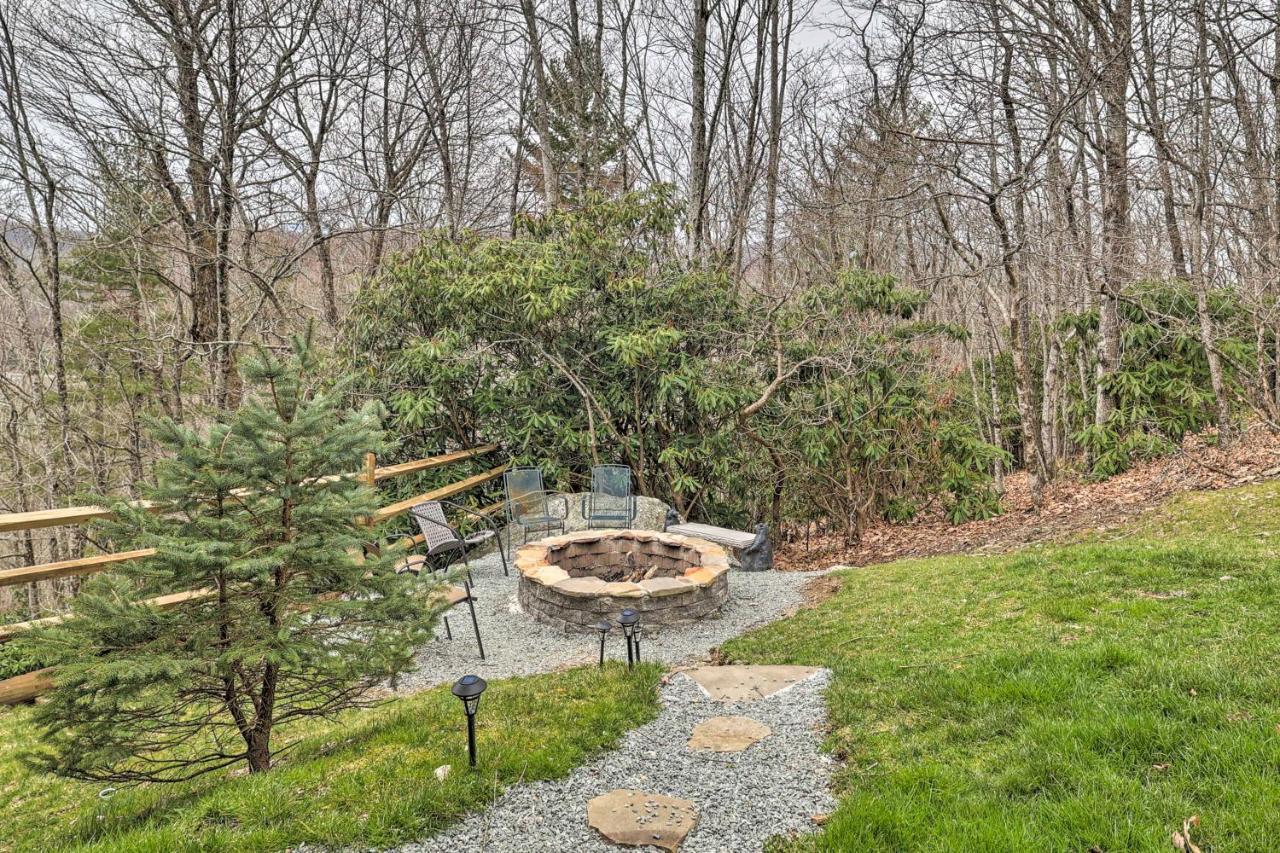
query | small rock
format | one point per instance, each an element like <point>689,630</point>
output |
<point>443,771</point>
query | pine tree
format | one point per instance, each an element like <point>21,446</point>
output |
<point>586,140</point>
<point>289,621</point>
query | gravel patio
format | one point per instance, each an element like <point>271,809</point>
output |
<point>515,644</point>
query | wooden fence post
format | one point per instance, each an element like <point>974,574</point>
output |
<point>370,478</point>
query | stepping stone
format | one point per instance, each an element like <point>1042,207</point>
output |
<point>638,819</point>
<point>748,683</point>
<point>727,734</point>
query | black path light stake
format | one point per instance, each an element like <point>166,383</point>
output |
<point>604,628</point>
<point>630,622</point>
<point>468,688</point>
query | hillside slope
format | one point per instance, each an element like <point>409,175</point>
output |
<point>1070,505</point>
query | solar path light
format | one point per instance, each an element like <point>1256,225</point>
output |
<point>630,622</point>
<point>604,628</point>
<point>468,688</point>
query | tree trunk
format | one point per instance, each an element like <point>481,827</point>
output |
<point>698,129</point>
<point>542,113</point>
<point>328,293</point>
<point>1204,227</point>
<point>1116,40</point>
<point>779,56</point>
<point>1159,136</point>
<point>259,750</point>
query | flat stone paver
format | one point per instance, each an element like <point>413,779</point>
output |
<point>746,683</point>
<point>641,819</point>
<point>727,734</point>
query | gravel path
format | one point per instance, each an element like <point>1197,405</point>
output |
<point>774,787</point>
<point>517,645</point>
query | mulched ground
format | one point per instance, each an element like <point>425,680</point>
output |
<point>1070,505</point>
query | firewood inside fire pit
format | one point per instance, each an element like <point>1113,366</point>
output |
<point>633,570</point>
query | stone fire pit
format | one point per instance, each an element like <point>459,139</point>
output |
<point>576,579</point>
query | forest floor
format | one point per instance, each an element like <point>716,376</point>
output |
<point>1070,506</point>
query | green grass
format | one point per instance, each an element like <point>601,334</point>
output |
<point>1092,695</point>
<point>367,778</point>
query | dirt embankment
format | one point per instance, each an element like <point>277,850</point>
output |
<point>1070,505</point>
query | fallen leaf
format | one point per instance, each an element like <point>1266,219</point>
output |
<point>1182,840</point>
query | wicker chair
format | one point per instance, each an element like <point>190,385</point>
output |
<point>443,543</point>
<point>487,531</point>
<point>529,504</point>
<point>610,502</point>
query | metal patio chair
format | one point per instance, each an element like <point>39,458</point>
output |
<point>484,534</point>
<point>443,543</point>
<point>529,504</point>
<point>610,502</point>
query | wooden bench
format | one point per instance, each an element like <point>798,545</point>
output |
<point>753,551</point>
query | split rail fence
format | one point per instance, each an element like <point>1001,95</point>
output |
<point>21,688</point>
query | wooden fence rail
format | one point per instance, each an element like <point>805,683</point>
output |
<point>442,493</point>
<point>11,521</point>
<point>80,566</point>
<point>25,687</point>
<point>160,602</point>
<point>389,471</point>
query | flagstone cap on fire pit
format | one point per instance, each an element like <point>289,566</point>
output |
<point>576,578</point>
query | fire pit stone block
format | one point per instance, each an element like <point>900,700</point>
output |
<point>574,580</point>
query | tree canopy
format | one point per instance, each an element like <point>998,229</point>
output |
<point>588,338</point>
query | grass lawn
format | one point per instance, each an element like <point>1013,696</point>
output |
<point>367,778</point>
<point>1075,698</point>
